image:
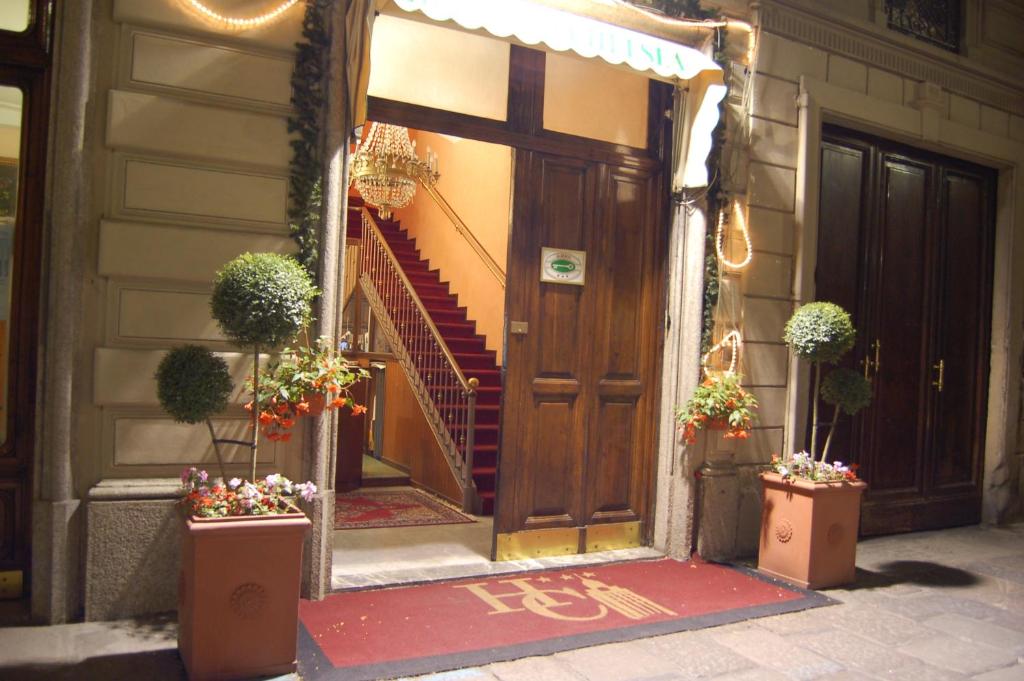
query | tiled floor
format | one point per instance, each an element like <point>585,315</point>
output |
<point>401,555</point>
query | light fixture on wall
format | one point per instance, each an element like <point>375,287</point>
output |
<point>241,22</point>
<point>385,168</point>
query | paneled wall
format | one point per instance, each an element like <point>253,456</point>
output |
<point>191,150</point>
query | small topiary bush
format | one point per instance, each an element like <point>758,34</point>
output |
<point>192,384</point>
<point>262,299</point>
<point>820,332</point>
<point>846,389</point>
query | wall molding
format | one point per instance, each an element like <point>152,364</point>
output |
<point>864,43</point>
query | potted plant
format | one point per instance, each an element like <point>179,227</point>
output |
<point>720,402</point>
<point>811,511</point>
<point>238,609</point>
<point>307,381</point>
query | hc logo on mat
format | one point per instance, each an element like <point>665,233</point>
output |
<point>596,600</point>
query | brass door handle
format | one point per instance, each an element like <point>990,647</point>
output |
<point>873,364</point>
<point>941,368</point>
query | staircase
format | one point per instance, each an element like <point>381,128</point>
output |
<point>456,378</point>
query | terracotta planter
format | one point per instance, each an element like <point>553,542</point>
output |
<point>238,595</point>
<point>316,402</point>
<point>809,531</point>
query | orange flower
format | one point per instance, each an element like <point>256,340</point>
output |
<point>338,402</point>
<point>287,423</point>
<point>266,417</point>
<point>358,409</point>
<point>284,437</point>
<point>333,388</point>
<point>302,407</point>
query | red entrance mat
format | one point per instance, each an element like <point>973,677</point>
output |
<point>386,633</point>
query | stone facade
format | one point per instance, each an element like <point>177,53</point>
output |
<point>837,62</point>
<point>171,157</point>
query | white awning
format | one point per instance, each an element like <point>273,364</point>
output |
<point>533,24</point>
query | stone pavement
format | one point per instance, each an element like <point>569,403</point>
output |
<point>926,606</point>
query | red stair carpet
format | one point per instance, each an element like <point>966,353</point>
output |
<point>459,333</point>
<point>387,633</point>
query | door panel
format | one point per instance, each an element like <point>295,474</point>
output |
<point>841,256</point>
<point>577,435</point>
<point>963,310</point>
<point>543,448</point>
<point>899,327</point>
<point>919,226</point>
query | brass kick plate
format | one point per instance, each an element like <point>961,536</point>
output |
<point>11,584</point>
<point>518,328</point>
<point>552,541</point>
<point>613,536</point>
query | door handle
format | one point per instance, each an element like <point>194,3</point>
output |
<point>940,366</point>
<point>873,364</point>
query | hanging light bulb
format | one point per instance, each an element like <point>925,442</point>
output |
<point>385,168</point>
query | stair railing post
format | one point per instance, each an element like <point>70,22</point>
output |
<point>468,496</point>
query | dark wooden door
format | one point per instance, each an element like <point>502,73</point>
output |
<point>581,379</point>
<point>905,244</point>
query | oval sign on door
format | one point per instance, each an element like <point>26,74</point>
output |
<point>561,266</point>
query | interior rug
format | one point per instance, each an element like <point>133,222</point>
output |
<point>439,626</point>
<point>367,508</point>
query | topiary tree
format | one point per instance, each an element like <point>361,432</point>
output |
<point>192,384</point>
<point>822,332</point>
<point>849,392</point>
<point>261,300</point>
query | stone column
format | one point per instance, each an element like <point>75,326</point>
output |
<point>677,464</point>
<point>56,522</point>
<point>322,452</point>
<point>719,503</point>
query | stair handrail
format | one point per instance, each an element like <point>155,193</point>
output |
<point>463,230</point>
<point>462,466</point>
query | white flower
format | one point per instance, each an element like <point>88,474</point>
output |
<point>233,483</point>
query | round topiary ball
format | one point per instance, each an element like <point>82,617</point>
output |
<point>820,332</point>
<point>262,299</point>
<point>847,389</point>
<point>192,383</point>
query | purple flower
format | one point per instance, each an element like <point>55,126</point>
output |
<point>233,483</point>
<point>203,476</point>
<point>306,490</point>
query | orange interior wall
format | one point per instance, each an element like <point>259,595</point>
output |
<point>408,440</point>
<point>476,179</point>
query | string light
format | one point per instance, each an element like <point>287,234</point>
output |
<point>720,238</point>
<point>248,22</point>
<point>732,340</point>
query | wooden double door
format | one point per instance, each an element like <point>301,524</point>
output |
<point>905,244</point>
<point>580,403</point>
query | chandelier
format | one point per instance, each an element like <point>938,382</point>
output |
<point>385,168</point>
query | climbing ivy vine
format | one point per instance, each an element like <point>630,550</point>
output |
<point>308,97</point>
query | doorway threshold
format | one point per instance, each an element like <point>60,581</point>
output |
<point>385,557</point>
